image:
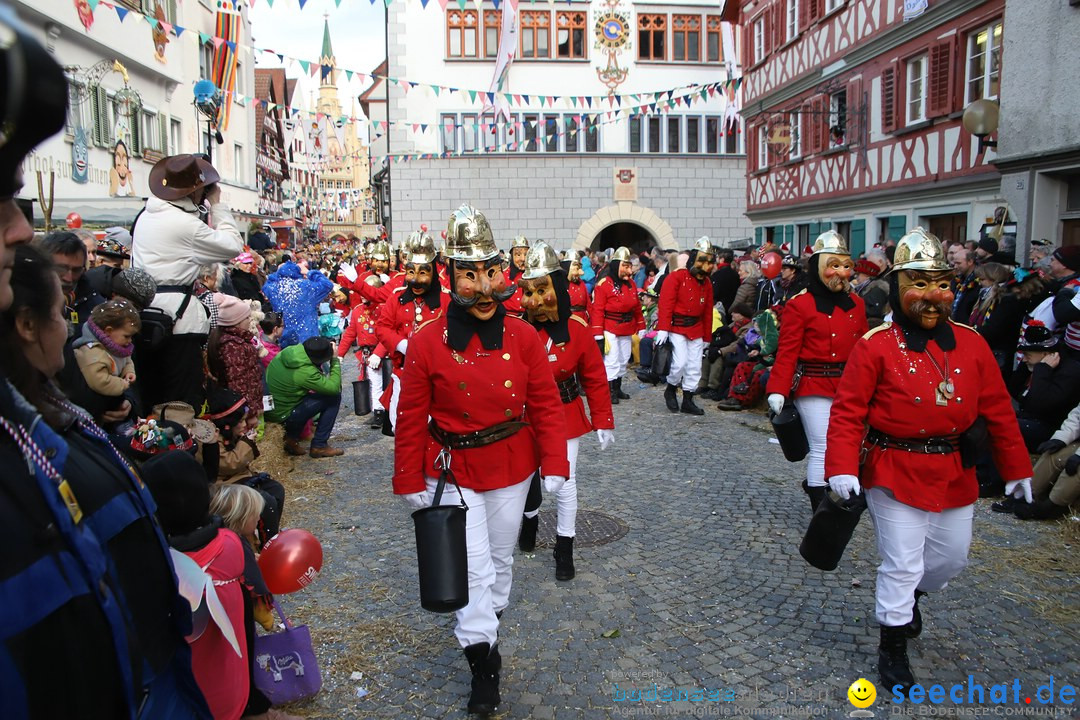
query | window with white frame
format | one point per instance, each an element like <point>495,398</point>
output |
<point>636,126</point>
<point>731,140</point>
<point>837,130</point>
<point>693,134</point>
<point>571,125</point>
<point>915,105</point>
<point>759,39</point>
<point>206,60</point>
<point>831,5</point>
<point>653,130</point>
<point>150,130</point>
<point>551,133</point>
<point>674,133</point>
<point>763,148</point>
<point>713,124</point>
<point>984,63</point>
<point>795,135</point>
<point>175,136</point>
<point>239,168</point>
<point>490,134</point>
<point>468,133</point>
<point>592,134</point>
<point>531,129</point>
<point>448,131</point>
<point>78,112</point>
<point>792,19</point>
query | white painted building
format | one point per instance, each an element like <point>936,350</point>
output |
<point>121,148</point>
<point>563,171</point>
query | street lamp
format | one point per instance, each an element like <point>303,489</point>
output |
<point>207,102</point>
<point>981,120</point>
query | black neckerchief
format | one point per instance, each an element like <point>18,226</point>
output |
<point>431,296</point>
<point>558,330</point>
<point>198,538</point>
<point>915,335</point>
<point>613,275</point>
<point>513,272</point>
<point>825,299</point>
<point>461,325</point>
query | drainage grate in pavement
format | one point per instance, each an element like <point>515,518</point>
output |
<point>592,528</point>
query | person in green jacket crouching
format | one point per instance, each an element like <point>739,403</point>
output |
<point>305,381</point>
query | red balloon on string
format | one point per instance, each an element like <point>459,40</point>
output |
<point>290,561</point>
<point>770,265</point>
<point>423,228</point>
<point>443,233</point>
<point>74,221</point>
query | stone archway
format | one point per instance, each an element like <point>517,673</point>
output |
<point>625,212</point>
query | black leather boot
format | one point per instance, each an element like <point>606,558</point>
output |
<point>816,494</point>
<point>614,392</point>
<point>914,628</point>
<point>564,558</point>
<point>527,536</point>
<point>671,399</point>
<point>619,390</point>
<point>376,419</point>
<point>893,666</point>
<point>688,405</point>
<point>485,663</point>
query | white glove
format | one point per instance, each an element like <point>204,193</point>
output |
<point>776,402</point>
<point>844,485</point>
<point>374,362</point>
<point>385,278</point>
<point>348,271</point>
<point>661,338</point>
<point>1019,489</point>
<point>402,346</point>
<point>418,500</point>
<point>553,483</point>
<point>609,338</point>
<point>606,438</point>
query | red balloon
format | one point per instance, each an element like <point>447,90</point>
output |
<point>74,221</point>
<point>443,233</point>
<point>770,265</point>
<point>423,228</point>
<point>290,561</point>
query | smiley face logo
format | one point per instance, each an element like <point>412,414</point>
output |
<point>862,693</point>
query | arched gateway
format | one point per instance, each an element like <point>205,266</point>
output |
<point>608,225</point>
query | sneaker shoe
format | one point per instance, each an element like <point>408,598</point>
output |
<point>293,447</point>
<point>326,451</point>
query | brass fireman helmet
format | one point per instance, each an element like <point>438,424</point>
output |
<point>419,249</point>
<point>540,261</point>
<point>468,236</point>
<point>380,251</point>
<point>622,254</point>
<point>703,245</point>
<point>519,241</point>
<point>919,250</point>
<point>830,242</point>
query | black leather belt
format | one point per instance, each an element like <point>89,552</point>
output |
<point>618,317</point>
<point>684,320</point>
<point>569,389</point>
<point>476,439</point>
<point>578,308</point>
<point>820,369</point>
<point>929,446</point>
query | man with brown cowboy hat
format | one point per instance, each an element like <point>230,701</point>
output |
<point>171,242</point>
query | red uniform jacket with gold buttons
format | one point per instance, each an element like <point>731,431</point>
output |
<point>808,335</point>
<point>608,299</point>
<point>513,303</point>
<point>681,294</point>
<point>378,295</point>
<point>581,356</point>
<point>396,322</point>
<point>579,298</point>
<point>361,329</point>
<point>892,389</point>
<point>472,390</point>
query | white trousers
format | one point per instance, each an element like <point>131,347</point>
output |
<point>919,550</point>
<point>566,498</point>
<point>618,354</point>
<point>375,376</point>
<point>814,413</point>
<point>491,531</point>
<point>685,361</point>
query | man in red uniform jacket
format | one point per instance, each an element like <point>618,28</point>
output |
<point>910,390</point>
<point>685,318</point>
<point>519,248</point>
<point>616,316</point>
<point>421,299</point>
<point>580,302</point>
<point>818,330</point>
<point>578,368</point>
<point>478,385</point>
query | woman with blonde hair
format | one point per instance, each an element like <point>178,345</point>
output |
<point>749,274</point>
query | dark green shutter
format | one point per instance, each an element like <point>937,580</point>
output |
<point>897,227</point>
<point>757,236</point>
<point>857,241</point>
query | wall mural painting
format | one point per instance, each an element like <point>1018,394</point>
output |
<point>121,181</point>
<point>612,32</point>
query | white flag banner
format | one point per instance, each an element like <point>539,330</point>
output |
<point>508,44</point>
<point>914,8</point>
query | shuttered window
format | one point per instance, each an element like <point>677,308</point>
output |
<point>888,99</point>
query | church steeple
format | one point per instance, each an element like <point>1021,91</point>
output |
<point>326,57</point>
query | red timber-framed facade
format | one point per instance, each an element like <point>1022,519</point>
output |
<point>853,118</point>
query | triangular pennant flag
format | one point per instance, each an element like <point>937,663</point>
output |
<point>491,97</point>
<point>231,45</point>
<point>348,73</point>
<point>542,98</point>
<point>304,64</point>
<point>120,12</point>
<point>423,127</point>
<point>415,127</point>
<point>436,89</point>
<point>525,98</point>
<point>177,29</point>
<point>217,41</point>
<point>461,4</point>
<point>302,3</point>
<point>151,21</point>
<point>588,100</point>
<point>203,38</point>
<point>93,5</point>
<point>472,96</point>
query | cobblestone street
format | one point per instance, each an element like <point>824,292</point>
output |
<point>705,589</point>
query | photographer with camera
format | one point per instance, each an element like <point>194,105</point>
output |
<point>171,242</point>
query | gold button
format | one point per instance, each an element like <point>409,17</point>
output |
<point>508,384</point>
<point>461,386</point>
<point>506,356</point>
<point>509,412</point>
